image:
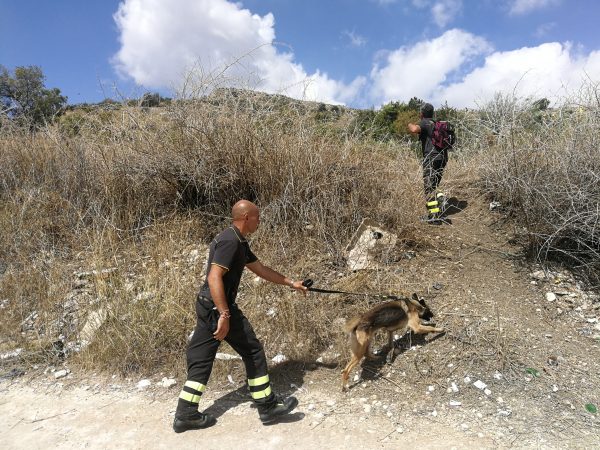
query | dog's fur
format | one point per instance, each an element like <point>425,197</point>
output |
<point>390,316</point>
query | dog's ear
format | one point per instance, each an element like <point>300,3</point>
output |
<point>418,299</point>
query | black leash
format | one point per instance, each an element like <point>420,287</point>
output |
<point>308,284</point>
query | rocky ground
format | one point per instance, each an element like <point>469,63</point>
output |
<point>517,367</point>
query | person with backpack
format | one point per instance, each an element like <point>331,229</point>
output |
<point>436,139</point>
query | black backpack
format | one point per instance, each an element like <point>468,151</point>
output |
<point>443,136</point>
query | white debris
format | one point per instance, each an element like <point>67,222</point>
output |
<point>367,408</point>
<point>311,407</point>
<point>498,376</point>
<point>330,402</point>
<point>400,430</point>
<point>454,387</point>
<point>434,413</point>
<point>168,382</point>
<point>495,205</point>
<point>227,356</point>
<point>230,379</point>
<point>480,385</point>
<point>500,400</point>
<point>143,384</point>
<point>431,388</point>
<point>487,392</point>
<point>550,296</point>
<point>356,377</point>
<point>467,380</point>
<point>13,354</point>
<point>455,403</point>
<point>271,312</point>
<point>60,374</point>
<point>279,358</point>
<point>190,335</point>
<point>554,388</point>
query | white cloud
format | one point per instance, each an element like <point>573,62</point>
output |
<point>443,11</point>
<point>420,70</point>
<point>550,70</point>
<point>543,29</point>
<point>518,7</point>
<point>161,41</point>
<point>356,40</point>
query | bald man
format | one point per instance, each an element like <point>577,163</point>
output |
<point>219,318</point>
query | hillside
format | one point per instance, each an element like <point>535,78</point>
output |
<point>539,356</point>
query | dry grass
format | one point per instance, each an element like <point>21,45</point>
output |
<point>142,191</point>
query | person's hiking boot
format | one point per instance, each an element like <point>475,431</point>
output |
<point>194,421</point>
<point>432,219</point>
<point>279,407</point>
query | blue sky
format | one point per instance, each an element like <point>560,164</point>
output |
<point>361,53</point>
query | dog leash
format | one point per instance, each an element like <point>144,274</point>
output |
<point>308,283</point>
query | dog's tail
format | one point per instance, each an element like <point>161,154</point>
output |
<point>351,325</point>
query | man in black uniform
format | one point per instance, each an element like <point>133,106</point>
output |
<point>219,318</point>
<point>434,162</point>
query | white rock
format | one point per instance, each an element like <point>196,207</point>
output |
<point>279,358</point>
<point>367,408</point>
<point>554,388</point>
<point>500,400</point>
<point>356,377</point>
<point>400,430</point>
<point>143,384</point>
<point>330,402</point>
<point>311,406</point>
<point>487,392</point>
<point>60,374</point>
<point>480,385</point>
<point>455,403</point>
<point>168,382</point>
<point>454,387</point>
<point>498,376</point>
<point>434,413</point>
<point>467,380</point>
<point>464,426</point>
<point>550,296</point>
<point>538,275</point>
<point>431,388</point>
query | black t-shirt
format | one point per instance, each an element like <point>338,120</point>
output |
<point>231,251</point>
<point>425,136</point>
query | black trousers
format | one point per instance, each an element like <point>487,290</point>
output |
<point>433,169</point>
<point>203,346</point>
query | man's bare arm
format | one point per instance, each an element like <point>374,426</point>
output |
<point>275,277</point>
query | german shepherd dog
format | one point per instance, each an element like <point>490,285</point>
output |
<point>391,316</point>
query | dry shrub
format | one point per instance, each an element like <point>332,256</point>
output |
<point>544,168</point>
<point>139,190</point>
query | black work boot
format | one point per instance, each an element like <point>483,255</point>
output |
<point>271,411</point>
<point>193,421</point>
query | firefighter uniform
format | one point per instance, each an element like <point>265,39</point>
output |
<point>231,251</point>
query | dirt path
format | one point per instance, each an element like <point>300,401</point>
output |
<point>70,417</point>
<point>539,360</point>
